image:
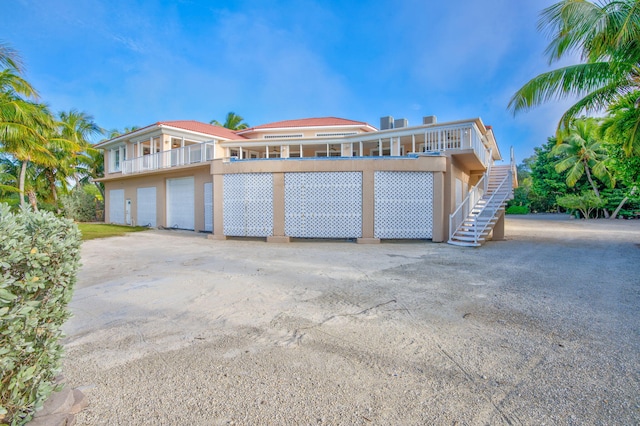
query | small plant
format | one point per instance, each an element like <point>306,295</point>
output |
<point>39,258</point>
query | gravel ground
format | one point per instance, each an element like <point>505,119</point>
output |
<point>172,328</point>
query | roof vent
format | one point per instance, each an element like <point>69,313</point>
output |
<point>386,123</point>
<point>429,119</point>
<point>400,122</point>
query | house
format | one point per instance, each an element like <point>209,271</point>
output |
<point>322,177</point>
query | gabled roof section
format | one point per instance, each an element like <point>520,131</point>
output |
<point>308,122</point>
<point>188,125</point>
<point>199,127</point>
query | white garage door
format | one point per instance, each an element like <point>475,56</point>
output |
<point>116,206</point>
<point>146,207</point>
<point>180,203</point>
<point>208,207</point>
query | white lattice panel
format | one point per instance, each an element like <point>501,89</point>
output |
<point>248,205</point>
<point>403,205</point>
<point>323,204</point>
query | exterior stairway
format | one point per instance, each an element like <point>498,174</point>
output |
<point>481,217</point>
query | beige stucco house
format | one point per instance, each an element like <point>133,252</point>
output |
<point>312,178</point>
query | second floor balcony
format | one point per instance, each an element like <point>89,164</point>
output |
<point>475,148</point>
<point>190,154</point>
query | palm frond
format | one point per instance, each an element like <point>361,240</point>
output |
<point>570,81</point>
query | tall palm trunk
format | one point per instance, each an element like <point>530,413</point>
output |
<point>54,191</point>
<point>595,188</point>
<point>33,199</point>
<point>23,174</point>
<point>622,203</point>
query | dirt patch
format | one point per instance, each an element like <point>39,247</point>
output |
<point>542,328</point>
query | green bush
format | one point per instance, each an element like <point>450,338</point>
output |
<point>585,203</point>
<point>39,258</point>
<point>518,210</point>
<point>81,205</point>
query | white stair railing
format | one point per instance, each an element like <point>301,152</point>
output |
<point>464,209</point>
<point>465,214</point>
<point>492,204</point>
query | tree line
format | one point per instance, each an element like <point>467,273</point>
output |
<point>592,164</point>
<point>47,160</point>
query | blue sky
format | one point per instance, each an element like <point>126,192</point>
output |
<point>136,62</point>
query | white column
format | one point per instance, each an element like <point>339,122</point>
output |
<point>413,143</point>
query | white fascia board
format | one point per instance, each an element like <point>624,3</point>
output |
<point>494,144</point>
<point>152,131</point>
<point>118,140</point>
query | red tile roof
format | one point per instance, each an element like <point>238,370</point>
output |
<point>308,122</point>
<point>197,126</point>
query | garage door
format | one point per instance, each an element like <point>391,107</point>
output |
<point>403,205</point>
<point>180,203</point>
<point>116,206</point>
<point>146,207</point>
<point>208,207</point>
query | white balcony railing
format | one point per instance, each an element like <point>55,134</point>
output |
<point>457,137</point>
<point>190,154</point>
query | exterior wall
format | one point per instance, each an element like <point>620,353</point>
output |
<point>367,167</point>
<point>130,184</point>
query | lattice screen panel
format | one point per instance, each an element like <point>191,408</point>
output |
<point>323,204</point>
<point>403,205</point>
<point>248,205</point>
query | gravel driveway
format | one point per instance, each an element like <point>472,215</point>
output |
<point>172,328</point>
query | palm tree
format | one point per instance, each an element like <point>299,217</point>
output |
<point>607,37</point>
<point>583,153</point>
<point>93,164</point>
<point>23,126</point>
<point>80,128</point>
<point>232,122</point>
<point>23,122</point>
<point>622,123</point>
<point>9,58</point>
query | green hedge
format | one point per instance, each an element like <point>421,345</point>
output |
<point>39,258</point>
<point>518,210</point>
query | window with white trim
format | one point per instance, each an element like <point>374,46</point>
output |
<point>116,157</point>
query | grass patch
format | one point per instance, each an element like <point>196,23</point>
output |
<point>100,230</point>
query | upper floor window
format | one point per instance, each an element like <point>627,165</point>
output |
<point>116,157</point>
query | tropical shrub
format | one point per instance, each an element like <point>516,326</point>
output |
<point>517,210</point>
<point>585,203</point>
<point>39,258</point>
<point>81,204</point>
